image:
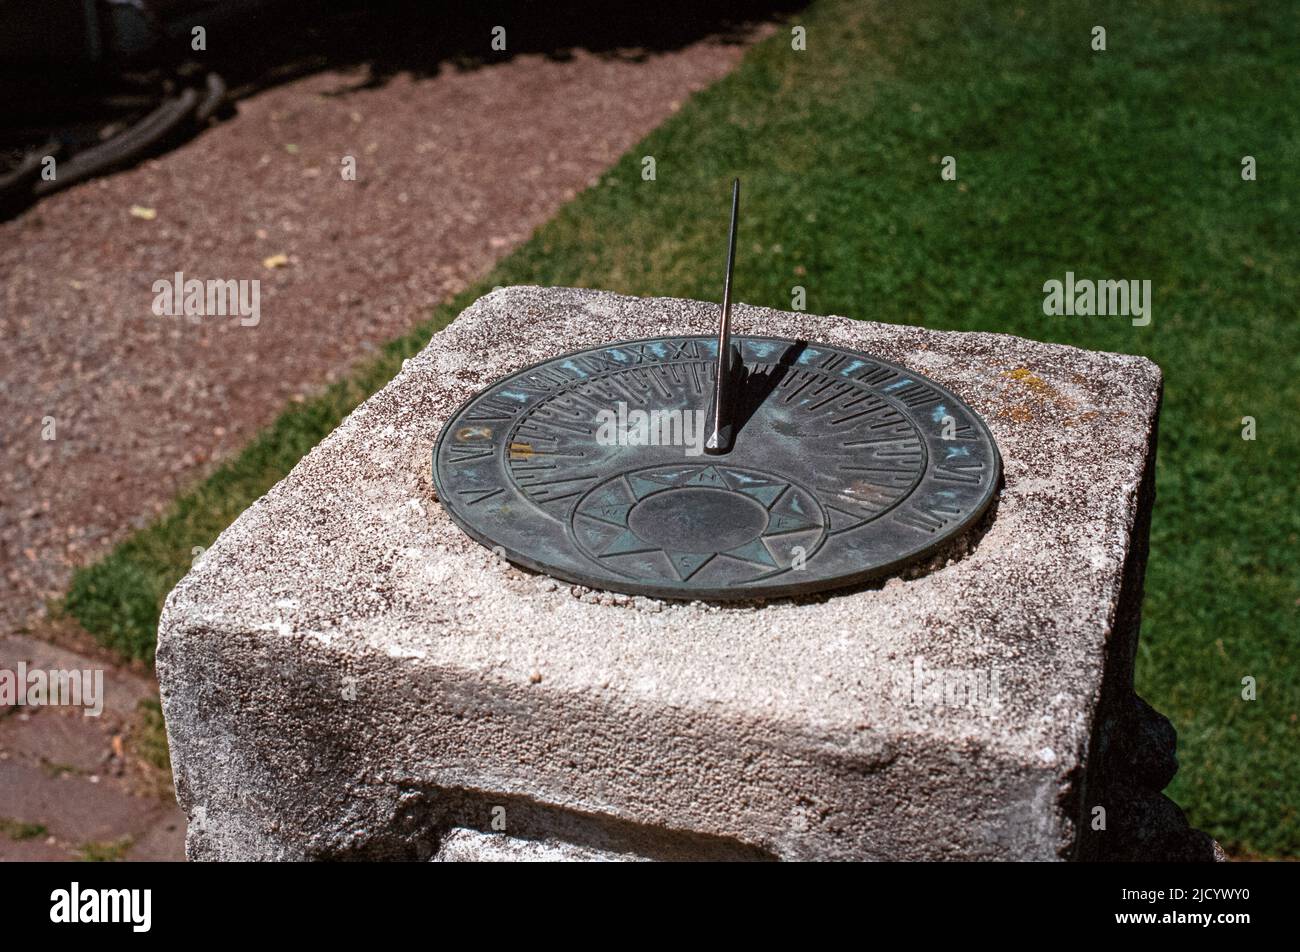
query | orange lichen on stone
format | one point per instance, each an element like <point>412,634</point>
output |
<point>1083,418</point>
<point>1020,413</point>
<point>1031,380</point>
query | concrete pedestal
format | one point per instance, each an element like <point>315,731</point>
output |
<point>346,674</point>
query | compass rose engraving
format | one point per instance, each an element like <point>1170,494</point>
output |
<point>709,522</point>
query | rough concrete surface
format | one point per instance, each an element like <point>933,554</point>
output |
<point>346,674</point>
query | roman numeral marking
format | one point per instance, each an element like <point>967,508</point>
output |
<point>493,408</point>
<point>642,351</point>
<point>895,429</point>
<point>929,519</point>
<point>960,471</point>
<point>549,490</point>
<point>598,363</point>
<point>467,456</point>
<point>897,476</point>
<point>875,376</point>
<point>917,395</point>
<point>683,350</point>
<point>539,427</point>
<point>476,496</point>
<point>542,382</point>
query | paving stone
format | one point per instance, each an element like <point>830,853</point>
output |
<point>73,808</point>
<point>61,737</point>
<point>164,840</point>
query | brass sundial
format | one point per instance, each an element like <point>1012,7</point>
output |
<point>720,468</point>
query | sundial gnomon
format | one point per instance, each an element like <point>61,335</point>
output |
<point>655,467</point>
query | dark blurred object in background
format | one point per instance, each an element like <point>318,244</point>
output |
<point>100,84</point>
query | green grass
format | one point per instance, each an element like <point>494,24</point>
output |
<point>1122,164</point>
<point>151,740</point>
<point>113,851</point>
<point>17,830</point>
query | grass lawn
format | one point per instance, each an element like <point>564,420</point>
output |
<point>1117,164</point>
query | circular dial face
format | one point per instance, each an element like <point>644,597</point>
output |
<point>591,467</point>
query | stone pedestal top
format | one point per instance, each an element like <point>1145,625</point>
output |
<point>346,673</point>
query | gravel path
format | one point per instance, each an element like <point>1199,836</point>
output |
<point>453,171</point>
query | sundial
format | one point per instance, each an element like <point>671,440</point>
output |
<point>717,467</point>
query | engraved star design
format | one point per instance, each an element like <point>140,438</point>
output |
<point>786,513</point>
